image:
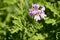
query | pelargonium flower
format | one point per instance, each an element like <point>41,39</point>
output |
<point>36,12</point>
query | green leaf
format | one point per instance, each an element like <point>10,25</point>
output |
<point>10,1</point>
<point>50,21</point>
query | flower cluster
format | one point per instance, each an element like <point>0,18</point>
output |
<point>36,12</point>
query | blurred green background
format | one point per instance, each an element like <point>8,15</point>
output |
<point>16,24</point>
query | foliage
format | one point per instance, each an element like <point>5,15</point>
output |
<point>16,24</point>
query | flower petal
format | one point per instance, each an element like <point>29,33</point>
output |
<point>43,15</point>
<point>38,12</point>
<point>36,6</point>
<point>43,8</point>
<point>30,11</point>
<point>37,17</point>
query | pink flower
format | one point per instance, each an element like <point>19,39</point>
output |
<point>38,14</point>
